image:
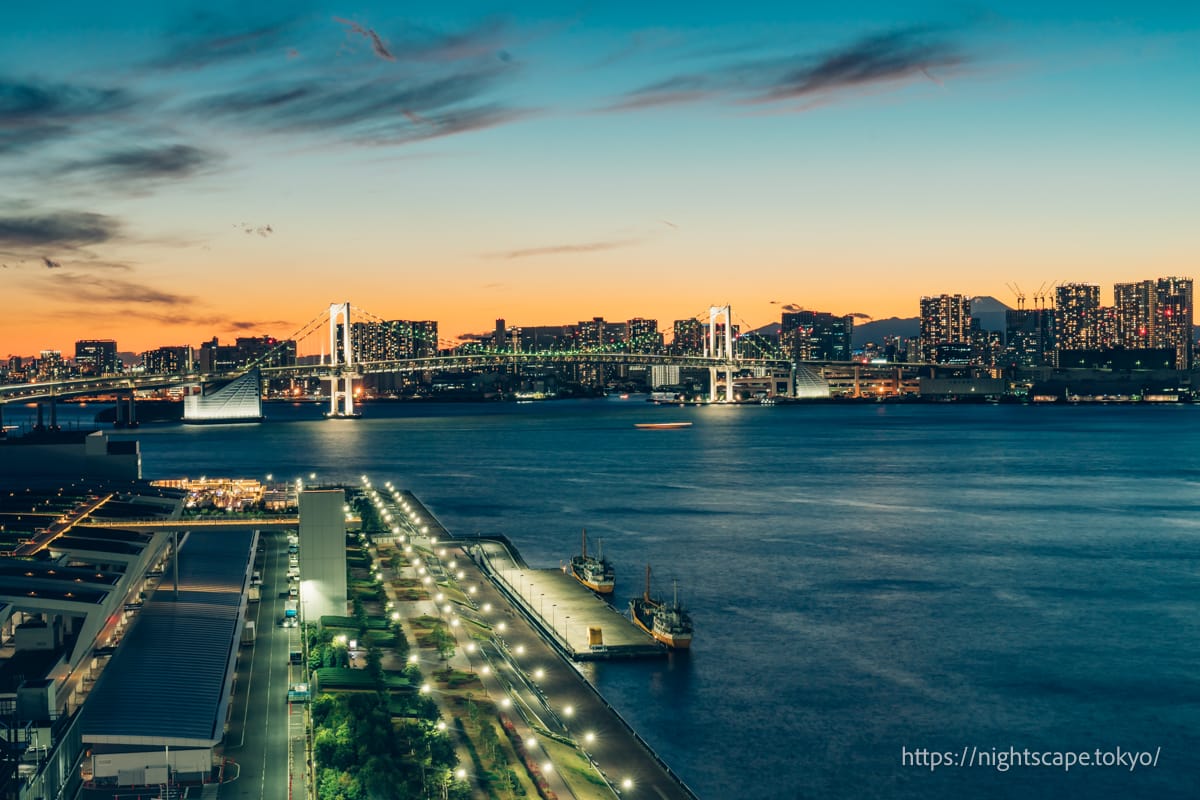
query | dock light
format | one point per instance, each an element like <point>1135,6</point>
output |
<point>568,711</point>
<point>312,476</point>
<point>589,737</point>
<point>627,783</point>
<point>269,476</point>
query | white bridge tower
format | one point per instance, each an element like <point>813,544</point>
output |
<point>720,346</point>
<point>341,370</point>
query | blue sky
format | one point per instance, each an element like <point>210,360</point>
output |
<point>170,174</point>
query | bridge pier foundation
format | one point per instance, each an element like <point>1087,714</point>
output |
<point>3,432</point>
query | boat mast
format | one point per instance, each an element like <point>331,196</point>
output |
<point>585,544</point>
<point>646,594</point>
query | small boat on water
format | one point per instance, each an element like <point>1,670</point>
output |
<point>594,572</point>
<point>669,623</point>
<point>660,426</point>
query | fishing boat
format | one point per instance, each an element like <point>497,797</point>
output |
<point>660,426</point>
<point>594,572</point>
<point>669,623</point>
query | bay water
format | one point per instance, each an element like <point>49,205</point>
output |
<point>870,584</point>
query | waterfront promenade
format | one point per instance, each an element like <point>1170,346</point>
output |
<point>539,683</point>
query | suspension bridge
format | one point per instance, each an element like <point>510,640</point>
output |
<point>341,370</point>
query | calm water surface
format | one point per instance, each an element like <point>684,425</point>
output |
<point>862,578</point>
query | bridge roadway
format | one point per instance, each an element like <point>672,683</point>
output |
<point>76,387</point>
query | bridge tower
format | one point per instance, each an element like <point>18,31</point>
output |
<point>720,347</point>
<point>341,369</point>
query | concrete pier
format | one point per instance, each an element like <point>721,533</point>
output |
<point>583,626</point>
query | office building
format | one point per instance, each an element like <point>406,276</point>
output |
<point>643,336</point>
<point>168,360</point>
<point>1029,337</point>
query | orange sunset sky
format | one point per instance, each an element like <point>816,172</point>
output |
<point>174,175</point>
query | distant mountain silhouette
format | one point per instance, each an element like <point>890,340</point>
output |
<point>988,310</point>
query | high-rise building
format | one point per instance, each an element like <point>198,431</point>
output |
<point>1029,337</point>
<point>168,360</point>
<point>643,336</point>
<point>1076,313</point>
<point>1156,314</point>
<point>50,366</point>
<point>816,336</point>
<point>688,338</point>
<point>265,351</point>
<point>391,340</point>
<point>945,320</point>
<point>97,357</point>
<point>596,334</point>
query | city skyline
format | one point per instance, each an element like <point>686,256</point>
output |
<point>173,175</point>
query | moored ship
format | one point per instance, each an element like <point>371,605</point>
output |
<point>594,572</point>
<point>669,623</point>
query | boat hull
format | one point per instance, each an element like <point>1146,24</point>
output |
<point>644,619</point>
<point>599,588</point>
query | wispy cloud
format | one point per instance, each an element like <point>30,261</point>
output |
<point>51,263</point>
<point>81,288</point>
<point>902,55</point>
<point>34,113</point>
<point>243,325</point>
<point>377,44</point>
<point>372,111</point>
<point>560,249</point>
<point>145,164</point>
<point>204,39</point>
<point>262,230</point>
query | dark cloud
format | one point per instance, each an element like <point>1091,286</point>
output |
<point>585,247</point>
<point>33,113</point>
<point>377,44</point>
<point>51,263</point>
<point>146,163</point>
<point>792,308</point>
<point>874,60</point>
<point>205,39</point>
<point>64,229</point>
<point>261,325</point>
<point>860,315</point>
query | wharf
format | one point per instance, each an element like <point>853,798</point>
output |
<point>564,609</point>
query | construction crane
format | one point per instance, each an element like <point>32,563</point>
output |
<point>1016,290</point>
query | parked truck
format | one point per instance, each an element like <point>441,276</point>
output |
<point>248,632</point>
<point>255,594</point>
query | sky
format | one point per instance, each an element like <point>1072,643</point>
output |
<point>173,172</point>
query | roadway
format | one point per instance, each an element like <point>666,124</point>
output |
<point>257,737</point>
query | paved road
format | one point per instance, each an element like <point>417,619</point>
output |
<point>258,735</point>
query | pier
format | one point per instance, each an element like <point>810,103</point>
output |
<point>575,620</point>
